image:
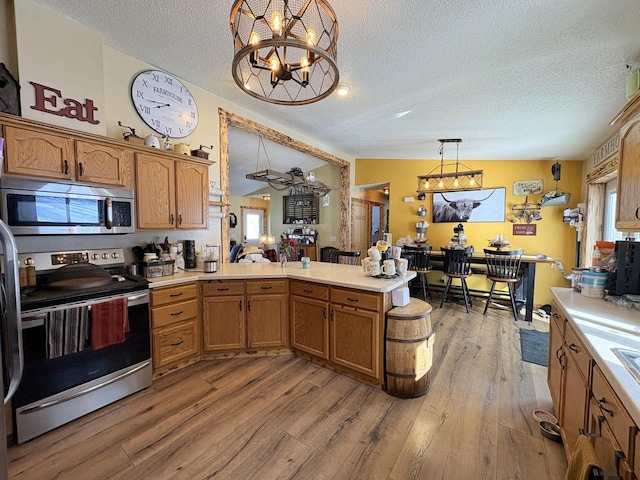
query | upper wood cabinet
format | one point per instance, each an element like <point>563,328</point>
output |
<point>41,154</point>
<point>628,208</point>
<point>171,194</point>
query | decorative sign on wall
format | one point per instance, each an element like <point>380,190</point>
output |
<point>525,229</point>
<point>472,206</point>
<point>528,187</point>
<point>50,100</point>
<point>606,150</point>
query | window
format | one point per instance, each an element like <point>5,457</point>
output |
<point>252,225</point>
<point>609,233</point>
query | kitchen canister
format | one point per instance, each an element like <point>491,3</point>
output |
<point>593,283</point>
<point>306,262</point>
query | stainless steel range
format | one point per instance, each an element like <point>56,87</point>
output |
<point>86,338</point>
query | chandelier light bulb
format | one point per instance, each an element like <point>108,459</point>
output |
<point>304,64</point>
<point>254,38</point>
<point>440,184</point>
<point>472,181</point>
<point>311,36</point>
<point>456,183</point>
<point>276,23</point>
<point>274,63</point>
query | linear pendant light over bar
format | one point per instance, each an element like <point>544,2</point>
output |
<point>285,50</point>
<point>439,180</point>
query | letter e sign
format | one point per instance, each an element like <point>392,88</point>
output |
<point>50,100</point>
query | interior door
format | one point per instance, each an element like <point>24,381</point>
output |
<point>252,225</point>
<point>360,226</point>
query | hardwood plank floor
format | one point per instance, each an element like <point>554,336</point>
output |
<point>283,417</point>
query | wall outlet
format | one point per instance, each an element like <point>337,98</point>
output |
<point>333,238</point>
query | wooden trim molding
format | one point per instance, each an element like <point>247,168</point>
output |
<point>605,172</point>
<point>228,119</point>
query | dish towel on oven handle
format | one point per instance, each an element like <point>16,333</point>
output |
<point>109,323</point>
<point>67,331</point>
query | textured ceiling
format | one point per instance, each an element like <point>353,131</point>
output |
<point>514,79</point>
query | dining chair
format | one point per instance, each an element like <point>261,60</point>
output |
<point>457,264</point>
<point>419,258</point>
<point>346,258</point>
<point>504,267</point>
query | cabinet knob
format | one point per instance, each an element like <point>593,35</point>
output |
<point>177,343</point>
<point>175,314</point>
<point>65,168</point>
<point>601,403</point>
<point>171,219</point>
<point>573,348</point>
<point>638,213</point>
<point>80,169</point>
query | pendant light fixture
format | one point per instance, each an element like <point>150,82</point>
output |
<point>285,50</point>
<point>440,180</point>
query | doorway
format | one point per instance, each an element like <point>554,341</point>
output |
<point>252,225</point>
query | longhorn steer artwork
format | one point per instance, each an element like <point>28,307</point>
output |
<point>469,206</point>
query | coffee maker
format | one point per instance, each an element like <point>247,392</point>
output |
<point>189,254</point>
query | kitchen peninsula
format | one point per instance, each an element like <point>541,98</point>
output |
<point>331,314</point>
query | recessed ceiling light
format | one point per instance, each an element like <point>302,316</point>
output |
<point>343,89</point>
<point>402,114</point>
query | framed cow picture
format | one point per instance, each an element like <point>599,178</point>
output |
<point>486,205</point>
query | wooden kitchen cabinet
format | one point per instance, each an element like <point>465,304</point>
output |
<point>628,191</point>
<point>171,194</point>
<point>41,154</point>
<point>636,461</point>
<point>557,360</point>
<point>310,318</point>
<point>239,315</point>
<point>350,341</point>
<point>175,327</point>
<point>267,314</point>
<point>33,153</point>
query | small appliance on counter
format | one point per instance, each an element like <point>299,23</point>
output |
<point>189,254</point>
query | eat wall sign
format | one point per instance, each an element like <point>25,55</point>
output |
<point>50,100</point>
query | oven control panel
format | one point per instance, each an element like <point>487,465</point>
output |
<point>51,260</point>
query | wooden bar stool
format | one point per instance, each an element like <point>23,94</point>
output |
<point>457,264</point>
<point>419,258</point>
<point>503,266</point>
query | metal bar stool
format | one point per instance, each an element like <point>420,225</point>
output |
<point>503,266</point>
<point>457,264</point>
<point>419,258</point>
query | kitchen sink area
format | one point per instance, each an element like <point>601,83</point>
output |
<point>631,360</point>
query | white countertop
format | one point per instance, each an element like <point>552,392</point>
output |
<point>602,326</point>
<point>349,276</point>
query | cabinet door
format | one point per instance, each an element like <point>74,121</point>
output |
<point>155,188</point>
<point>610,457</point>
<point>223,323</point>
<point>628,207</point>
<point>355,339</point>
<point>310,326</point>
<point>192,195</point>
<point>575,398</point>
<point>267,321</point>
<point>104,164</point>
<point>557,361</point>
<point>175,342</point>
<point>38,154</point>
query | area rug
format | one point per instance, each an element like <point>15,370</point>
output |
<point>534,346</point>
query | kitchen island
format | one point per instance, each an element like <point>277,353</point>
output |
<point>331,314</point>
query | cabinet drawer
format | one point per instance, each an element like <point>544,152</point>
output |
<point>615,414</point>
<point>636,462</point>
<point>311,290</point>
<point>559,321</point>
<point>174,343</point>
<point>174,294</point>
<point>217,287</point>
<point>266,286</point>
<point>579,352</point>
<point>178,312</point>
<point>355,298</point>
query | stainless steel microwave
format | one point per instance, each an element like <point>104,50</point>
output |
<point>36,207</point>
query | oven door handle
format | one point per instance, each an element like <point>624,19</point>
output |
<point>86,390</point>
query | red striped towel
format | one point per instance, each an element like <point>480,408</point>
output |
<point>109,323</point>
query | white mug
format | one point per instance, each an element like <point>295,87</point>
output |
<point>366,265</point>
<point>374,254</point>
<point>396,252</point>
<point>374,268</point>
<point>389,267</point>
<point>401,265</point>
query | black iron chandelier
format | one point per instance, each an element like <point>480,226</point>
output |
<point>285,50</point>
<point>440,180</point>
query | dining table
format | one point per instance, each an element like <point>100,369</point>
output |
<point>526,286</point>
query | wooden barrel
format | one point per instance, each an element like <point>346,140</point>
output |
<point>409,349</point>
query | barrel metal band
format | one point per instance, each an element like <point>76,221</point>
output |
<point>409,375</point>
<point>412,340</point>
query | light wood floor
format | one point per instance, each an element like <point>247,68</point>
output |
<point>283,417</point>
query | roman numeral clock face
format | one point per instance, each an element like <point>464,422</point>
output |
<point>164,103</point>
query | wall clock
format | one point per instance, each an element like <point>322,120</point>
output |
<point>164,103</point>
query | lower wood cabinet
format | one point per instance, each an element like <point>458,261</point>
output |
<point>610,455</point>
<point>557,360</point>
<point>239,315</point>
<point>339,327</point>
<point>175,327</point>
